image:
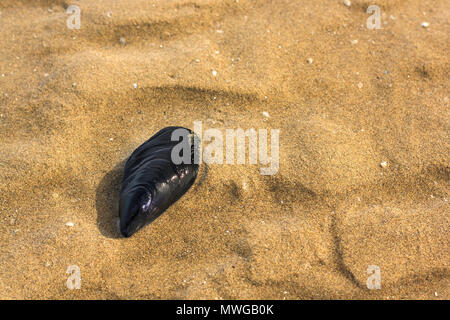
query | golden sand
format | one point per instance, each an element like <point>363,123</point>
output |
<point>364,148</point>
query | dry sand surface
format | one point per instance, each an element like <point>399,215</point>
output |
<point>76,102</point>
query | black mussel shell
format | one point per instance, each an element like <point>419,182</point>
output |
<point>154,179</point>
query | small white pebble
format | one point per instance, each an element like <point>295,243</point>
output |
<point>70,224</point>
<point>431,196</point>
<point>266,114</point>
<point>425,24</point>
<point>111,139</point>
<point>360,85</point>
<point>219,31</point>
<point>122,40</point>
<point>348,3</point>
<point>109,14</point>
<point>135,85</point>
<point>383,164</point>
<point>310,60</point>
<point>46,74</point>
<point>214,73</point>
<point>217,52</point>
<point>435,294</point>
<point>354,41</point>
